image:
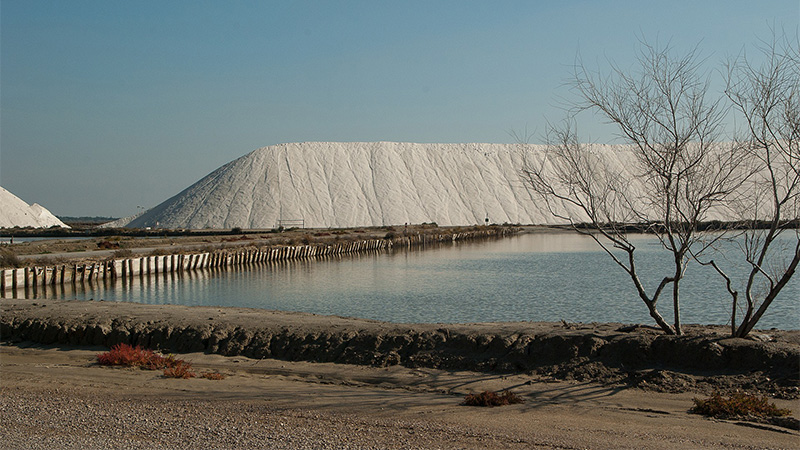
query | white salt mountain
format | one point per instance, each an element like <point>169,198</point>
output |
<point>365,184</point>
<point>14,212</point>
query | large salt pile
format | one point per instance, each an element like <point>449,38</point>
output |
<point>14,212</point>
<point>328,184</point>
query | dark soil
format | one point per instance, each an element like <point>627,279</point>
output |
<point>705,359</point>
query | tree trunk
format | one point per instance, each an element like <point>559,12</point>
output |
<point>676,301</point>
<point>659,319</point>
<point>751,321</point>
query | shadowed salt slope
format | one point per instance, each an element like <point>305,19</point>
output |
<point>330,184</point>
<point>14,212</point>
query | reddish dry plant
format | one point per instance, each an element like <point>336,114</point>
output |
<point>181,369</point>
<point>489,398</point>
<point>128,356</point>
<point>212,376</point>
<point>738,404</point>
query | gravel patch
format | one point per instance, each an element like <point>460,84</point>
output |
<point>58,419</point>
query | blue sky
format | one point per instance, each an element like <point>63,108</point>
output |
<point>107,106</point>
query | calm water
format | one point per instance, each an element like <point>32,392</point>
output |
<point>538,277</point>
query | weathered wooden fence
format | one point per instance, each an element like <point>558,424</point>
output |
<point>175,263</point>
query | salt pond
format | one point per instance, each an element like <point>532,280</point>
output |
<point>536,277</point>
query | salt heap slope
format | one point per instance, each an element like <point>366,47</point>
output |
<point>362,184</point>
<point>14,212</point>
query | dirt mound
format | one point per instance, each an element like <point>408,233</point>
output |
<point>704,359</point>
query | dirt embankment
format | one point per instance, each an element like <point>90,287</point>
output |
<point>705,359</point>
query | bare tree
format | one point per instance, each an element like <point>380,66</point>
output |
<point>681,169</point>
<point>767,97</point>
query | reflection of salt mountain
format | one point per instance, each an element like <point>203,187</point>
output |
<point>363,184</point>
<point>14,212</point>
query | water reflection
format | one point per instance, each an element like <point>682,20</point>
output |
<point>539,277</point>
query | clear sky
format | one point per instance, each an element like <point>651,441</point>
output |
<point>109,106</point>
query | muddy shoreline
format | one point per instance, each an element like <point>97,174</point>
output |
<point>703,360</point>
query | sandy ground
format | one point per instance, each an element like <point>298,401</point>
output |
<point>58,397</point>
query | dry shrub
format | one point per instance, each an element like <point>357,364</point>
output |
<point>123,253</point>
<point>10,259</point>
<point>128,356</point>
<point>737,405</point>
<point>181,369</point>
<point>212,376</point>
<point>52,261</point>
<point>489,398</point>
<point>107,245</point>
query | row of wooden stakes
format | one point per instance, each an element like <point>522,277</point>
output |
<point>152,265</point>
